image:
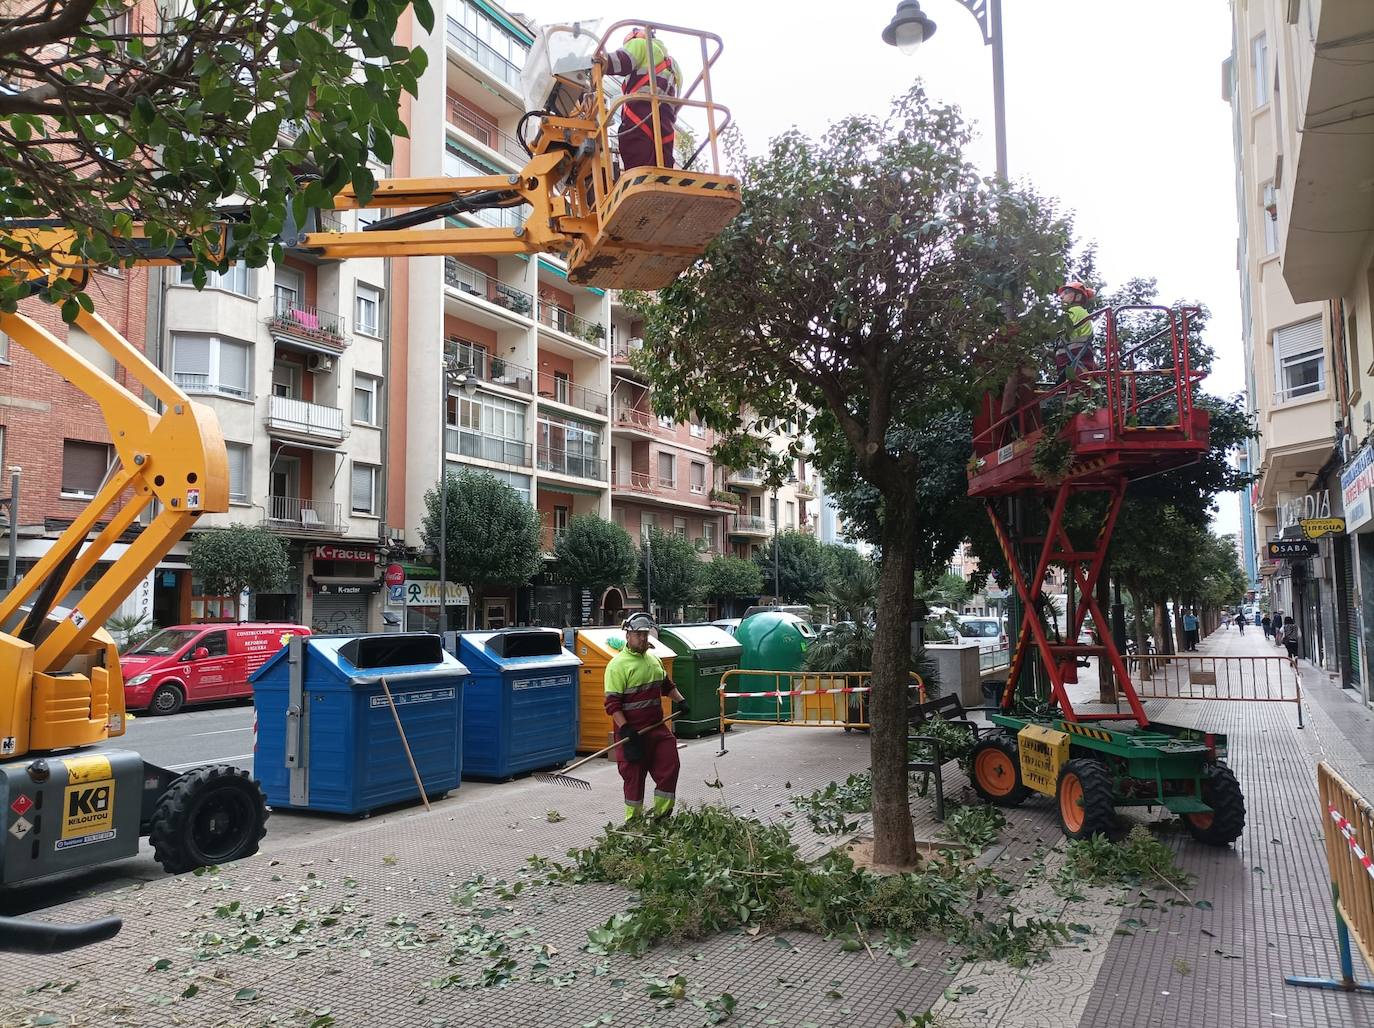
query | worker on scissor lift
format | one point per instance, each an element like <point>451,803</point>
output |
<point>636,134</point>
<point>1073,351</point>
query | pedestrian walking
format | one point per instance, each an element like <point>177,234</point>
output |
<point>1241,621</point>
<point>1267,626</point>
<point>1226,620</point>
<point>1291,637</point>
<point>1190,630</point>
<point>635,686</point>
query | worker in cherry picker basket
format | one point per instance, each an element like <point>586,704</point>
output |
<point>635,686</point>
<point>1073,350</point>
<point>640,63</point>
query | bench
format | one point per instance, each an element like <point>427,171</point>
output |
<point>952,711</point>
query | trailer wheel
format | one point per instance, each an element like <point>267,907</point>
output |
<point>995,769</point>
<point>1221,792</point>
<point>1087,800</point>
<point>210,815</point>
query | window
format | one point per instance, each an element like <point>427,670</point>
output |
<point>286,380</point>
<point>365,396</point>
<point>667,470</point>
<point>216,644</point>
<point>560,520</point>
<point>791,514</point>
<point>90,350</point>
<point>647,521</point>
<point>240,465</point>
<point>1259,59</point>
<point>238,279</point>
<point>1352,372</point>
<point>708,532</point>
<point>664,421</point>
<point>698,479</point>
<point>1299,359</point>
<point>680,527</point>
<point>84,466</point>
<point>364,488</point>
<point>210,364</point>
<point>4,348</point>
<point>367,314</point>
<point>562,387</point>
<point>697,429</point>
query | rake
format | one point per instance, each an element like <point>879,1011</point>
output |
<point>564,778</point>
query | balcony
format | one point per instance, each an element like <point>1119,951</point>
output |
<point>498,65</point>
<point>550,536</point>
<point>467,279</point>
<point>565,321</point>
<point>635,420</point>
<point>752,477</point>
<point>748,524</point>
<point>564,390</point>
<point>574,465</point>
<point>805,490</point>
<point>623,349</point>
<point>311,422</point>
<point>293,516</point>
<point>480,446</point>
<point>314,325</point>
<point>723,499</point>
<point>496,370</point>
<point>468,121</point>
<point>457,166</point>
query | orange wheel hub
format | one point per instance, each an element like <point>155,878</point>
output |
<point>995,772</point>
<point>1201,821</point>
<point>1071,810</point>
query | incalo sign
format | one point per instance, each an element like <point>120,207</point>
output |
<point>1291,549</point>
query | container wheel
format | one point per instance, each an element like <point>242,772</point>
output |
<point>167,700</point>
<point>210,815</point>
<point>1087,799</point>
<point>1220,791</point>
<point>995,768</point>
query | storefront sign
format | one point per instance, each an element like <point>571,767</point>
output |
<point>1308,507</point>
<point>395,574</point>
<point>1357,478</point>
<point>425,593</point>
<point>334,589</point>
<point>1315,528</point>
<point>1291,549</point>
<point>328,552</point>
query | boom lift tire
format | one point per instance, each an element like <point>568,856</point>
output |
<point>1221,792</point>
<point>210,815</point>
<point>167,700</point>
<point>1087,799</point>
<point>995,769</point>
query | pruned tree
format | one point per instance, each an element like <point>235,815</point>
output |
<point>160,112</point>
<point>237,557</point>
<point>863,294</point>
<point>493,533</point>
<point>670,572</point>
<point>728,578</point>
<point>793,566</point>
<point>594,554</point>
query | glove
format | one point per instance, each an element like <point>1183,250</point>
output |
<point>632,749</point>
<point>683,707</point>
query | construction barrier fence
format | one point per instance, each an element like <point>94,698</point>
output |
<point>1348,823</point>
<point>1185,676</point>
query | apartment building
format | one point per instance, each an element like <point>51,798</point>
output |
<point>1297,359</point>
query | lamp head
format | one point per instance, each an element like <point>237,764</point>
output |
<point>909,27</point>
<point>467,383</point>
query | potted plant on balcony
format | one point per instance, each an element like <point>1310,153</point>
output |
<point>498,371</point>
<point>726,497</point>
<point>594,334</point>
<point>520,303</point>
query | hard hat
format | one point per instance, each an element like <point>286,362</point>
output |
<point>635,34</point>
<point>1078,287</point>
<point>640,622</point>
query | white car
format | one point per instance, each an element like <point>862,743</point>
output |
<point>987,632</point>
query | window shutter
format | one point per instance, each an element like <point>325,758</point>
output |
<point>84,466</point>
<point>238,471</point>
<point>233,367</point>
<point>190,355</point>
<point>1295,341</point>
<point>362,488</point>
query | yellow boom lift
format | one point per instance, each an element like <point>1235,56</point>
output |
<point>60,683</point>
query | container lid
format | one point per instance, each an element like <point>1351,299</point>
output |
<point>517,648</point>
<point>363,660</point>
<point>607,642</point>
<point>687,640</point>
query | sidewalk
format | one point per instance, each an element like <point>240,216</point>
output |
<point>352,928</point>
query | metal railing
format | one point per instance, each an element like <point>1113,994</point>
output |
<point>481,446</point>
<point>552,387</point>
<point>291,513</point>
<point>623,349</point>
<point>307,322</point>
<point>748,476</point>
<point>457,166</point>
<point>300,417</point>
<point>749,523</point>
<point>486,132</point>
<point>813,699</point>
<point>632,417</point>
<point>467,279</point>
<point>500,66</point>
<point>496,370</point>
<point>565,321</point>
<point>1183,676</point>
<point>990,660</point>
<point>573,464</point>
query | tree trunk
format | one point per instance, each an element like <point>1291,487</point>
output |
<point>1106,675</point>
<point>893,834</point>
<point>1166,637</point>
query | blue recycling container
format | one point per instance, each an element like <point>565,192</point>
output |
<point>326,735</point>
<point>520,708</point>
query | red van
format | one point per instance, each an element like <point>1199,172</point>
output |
<point>199,663</point>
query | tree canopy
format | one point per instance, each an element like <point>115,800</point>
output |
<point>237,557</point>
<point>800,570</point>
<point>594,554</point>
<point>727,577</point>
<point>674,571</point>
<point>163,112</point>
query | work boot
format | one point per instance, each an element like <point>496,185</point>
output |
<point>633,810</point>
<point>663,804</point>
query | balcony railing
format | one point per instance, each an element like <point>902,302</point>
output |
<point>481,446</point>
<point>746,476</point>
<point>456,166</point>
<point>567,322</point>
<point>805,490</point>
<point>622,349</point>
<point>499,65</point>
<point>566,391</point>
<point>496,370</point>
<point>292,514</point>
<point>485,132</point>
<point>576,465</point>
<point>304,321</point>
<point>467,279</point>
<point>299,418</point>
<point>749,524</point>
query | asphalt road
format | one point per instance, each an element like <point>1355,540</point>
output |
<point>221,734</point>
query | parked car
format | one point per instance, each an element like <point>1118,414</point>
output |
<point>727,624</point>
<point>199,663</point>
<point>802,611</point>
<point>987,632</point>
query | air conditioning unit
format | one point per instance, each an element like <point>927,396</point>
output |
<point>319,363</point>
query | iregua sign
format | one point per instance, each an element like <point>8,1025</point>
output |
<point>1315,528</point>
<point>1357,478</point>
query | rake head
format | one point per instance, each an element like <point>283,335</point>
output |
<point>554,778</point>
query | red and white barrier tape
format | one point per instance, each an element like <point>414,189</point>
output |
<point>1348,830</point>
<point>799,692</point>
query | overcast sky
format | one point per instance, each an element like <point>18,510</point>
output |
<point>1113,107</point>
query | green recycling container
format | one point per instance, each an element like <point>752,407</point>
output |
<point>704,653</point>
<point>770,641</point>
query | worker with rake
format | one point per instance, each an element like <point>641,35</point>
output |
<point>635,686</point>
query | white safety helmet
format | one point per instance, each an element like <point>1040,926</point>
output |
<point>639,622</point>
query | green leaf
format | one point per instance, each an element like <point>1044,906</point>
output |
<point>424,14</point>
<point>263,131</point>
<point>190,991</point>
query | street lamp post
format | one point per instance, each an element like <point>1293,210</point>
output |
<point>909,28</point>
<point>455,373</point>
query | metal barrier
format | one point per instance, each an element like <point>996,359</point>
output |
<point>1349,825</point>
<point>818,692</point>
<point>1186,676</point>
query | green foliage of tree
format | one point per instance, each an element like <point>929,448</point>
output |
<point>800,571</point>
<point>493,534</point>
<point>594,554</point>
<point>851,583</point>
<point>238,557</point>
<point>727,577</point>
<point>162,113</point>
<point>676,570</point>
<point>862,293</point>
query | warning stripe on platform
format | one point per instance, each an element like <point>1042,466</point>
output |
<point>1348,830</point>
<point>1092,733</point>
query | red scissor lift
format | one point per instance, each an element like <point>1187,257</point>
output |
<point>1137,419</point>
